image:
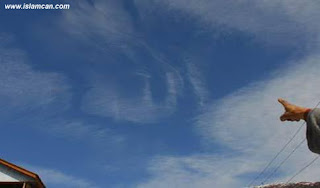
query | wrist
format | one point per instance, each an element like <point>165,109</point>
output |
<point>305,114</point>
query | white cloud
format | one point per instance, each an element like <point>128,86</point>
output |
<point>105,101</point>
<point>24,88</point>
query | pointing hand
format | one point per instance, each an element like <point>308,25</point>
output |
<point>292,112</point>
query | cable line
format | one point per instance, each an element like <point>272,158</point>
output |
<point>310,163</point>
<point>282,162</point>
<point>280,151</point>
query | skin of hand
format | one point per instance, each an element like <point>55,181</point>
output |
<point>292,112</point>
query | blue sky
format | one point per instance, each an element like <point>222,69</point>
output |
<point>148,93</point>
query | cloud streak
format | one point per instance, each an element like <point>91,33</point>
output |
<point>79,130</point>
<point>197,83</point>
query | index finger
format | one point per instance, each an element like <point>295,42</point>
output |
<point>283,102</point>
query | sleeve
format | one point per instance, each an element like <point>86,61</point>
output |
<point>313,130</point>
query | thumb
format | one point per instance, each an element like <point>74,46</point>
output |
<point>286,116</point>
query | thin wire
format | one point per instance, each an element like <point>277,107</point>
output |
<point>310,163</point>
<point>282,162</point>
<point>281,150</point>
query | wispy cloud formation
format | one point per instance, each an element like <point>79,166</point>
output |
<point>79,130</point>
<point>112,25</point>
<point>105,101</point>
